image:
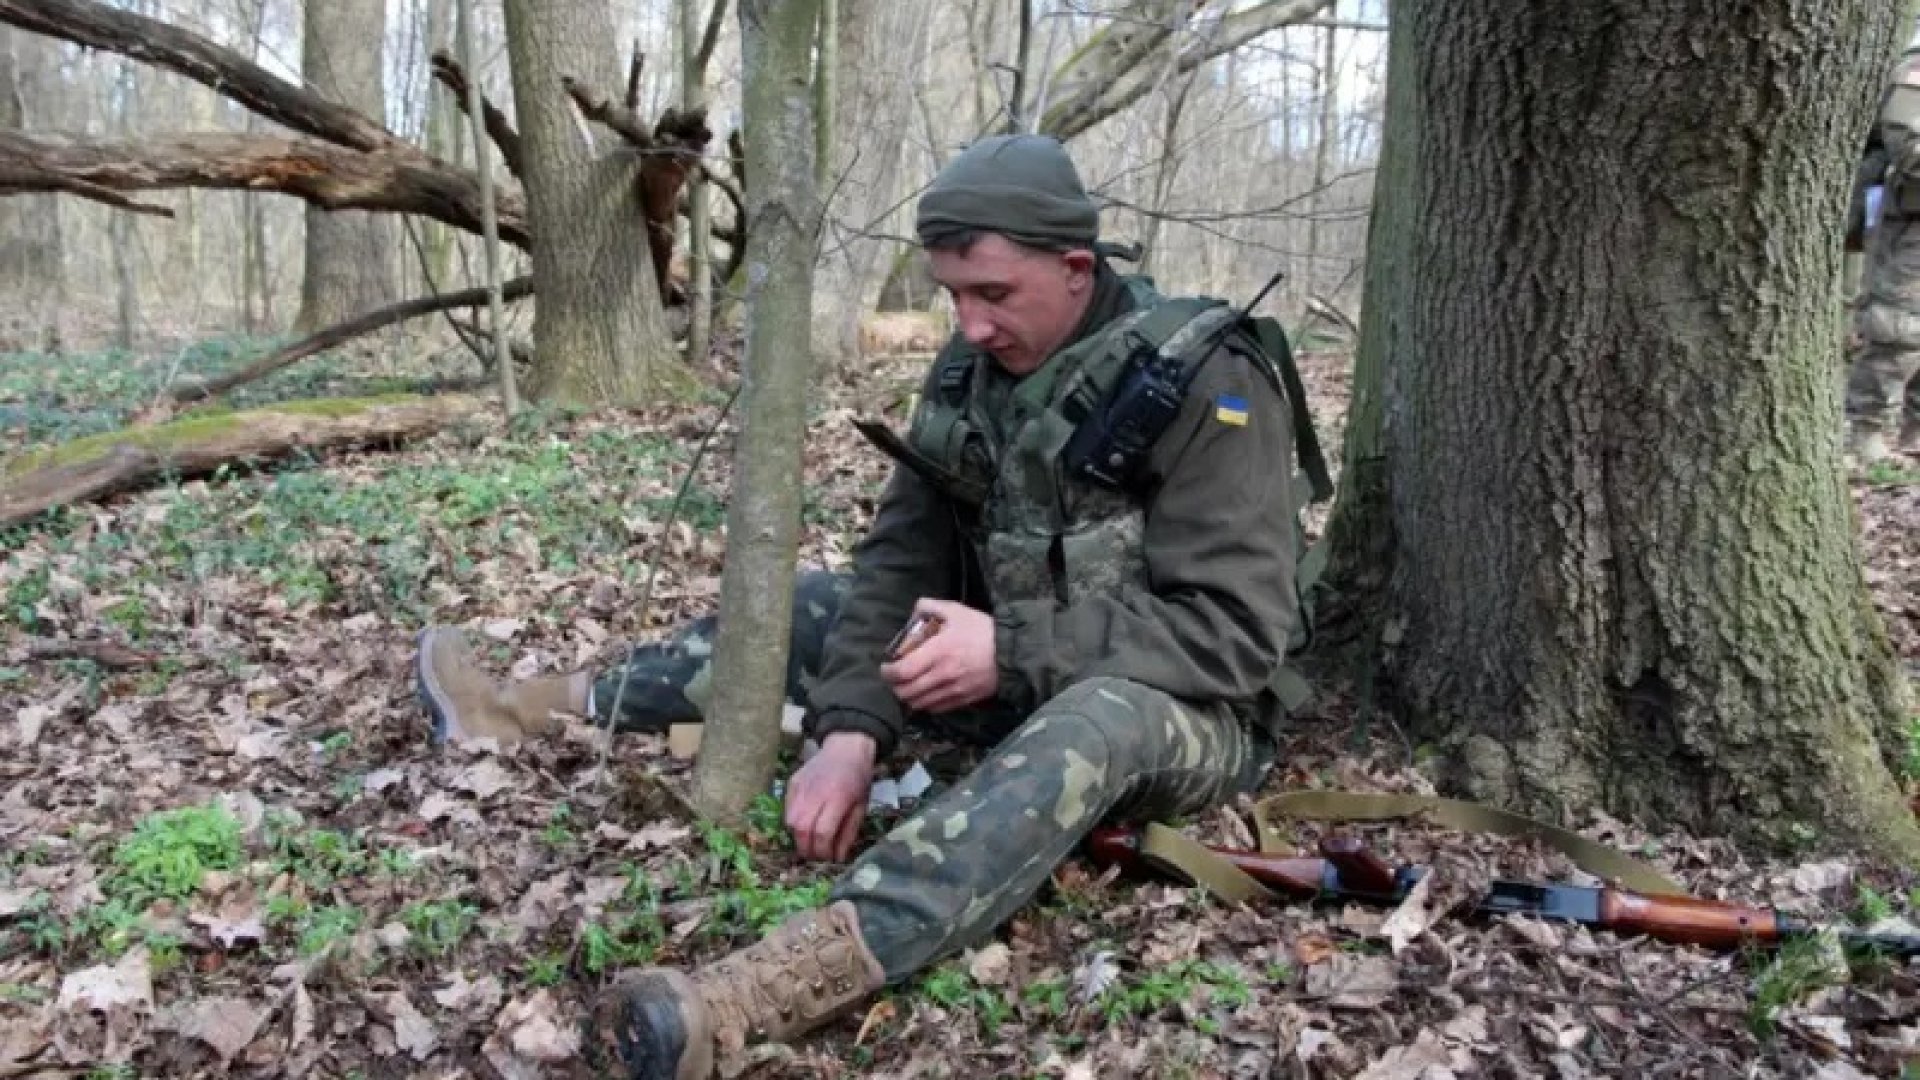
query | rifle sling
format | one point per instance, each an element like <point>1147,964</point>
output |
<point>1192,860</point>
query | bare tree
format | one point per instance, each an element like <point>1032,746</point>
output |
<point>763,522</point>
<point>31,263</point>
<point>349,265</point>
<point>1592,506</point>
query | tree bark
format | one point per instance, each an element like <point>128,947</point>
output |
<point>1624,572</point>
<point>742,735</point>
<point>599,332</point>
<point>102,465</point>
<point>349,256</point>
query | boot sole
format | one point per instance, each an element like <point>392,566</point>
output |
<point>650,1035</point>
<point>427,689</point>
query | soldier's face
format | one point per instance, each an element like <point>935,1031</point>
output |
<point>1017,303</point>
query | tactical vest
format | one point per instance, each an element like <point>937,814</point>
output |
<point>996,450</point>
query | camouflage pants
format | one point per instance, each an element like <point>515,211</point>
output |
<point>1886,369</point>
<point>951,873</point>
<point>668,682</point>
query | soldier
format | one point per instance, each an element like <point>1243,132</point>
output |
<point>1885,377</point>
<point>1094,497</point>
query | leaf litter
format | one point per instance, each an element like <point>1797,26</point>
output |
<point>406,910</point>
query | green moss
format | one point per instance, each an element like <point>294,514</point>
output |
<point>191,429</point>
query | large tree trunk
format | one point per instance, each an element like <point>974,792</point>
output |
<point>1625,573</point>
<point>742,734</point>
<point>349,254</point>
<point>599,334</point>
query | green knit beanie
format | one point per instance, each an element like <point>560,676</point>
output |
<point>1021,186</point>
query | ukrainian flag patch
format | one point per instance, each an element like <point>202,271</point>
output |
<point>1230,409</point>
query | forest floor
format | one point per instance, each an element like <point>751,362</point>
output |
<point>233,850</point>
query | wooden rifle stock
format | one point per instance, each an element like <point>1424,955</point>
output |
<point>1348,871</point>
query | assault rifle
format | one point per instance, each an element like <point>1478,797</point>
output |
<point>1347,870</point>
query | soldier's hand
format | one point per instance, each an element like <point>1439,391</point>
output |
<point>827,798</point>
<point>954,669</point>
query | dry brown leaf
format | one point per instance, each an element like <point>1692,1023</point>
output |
<point>1412,918</point>
<point>881,1012</point>
<point>536,1031</point>
<point>235,922</point>
<point>227,1024</point>
<point>1353,981</point>
<point>462,996</point>
<point>1311,949</point>
<point>484,779</point>
<point>303,1019</point>
<point>127,984</point>
<point>990,965</point>
<point>1426,1058</point>
<point>23,1037</point>
<point>29,720</point>
<point>413,1033</point>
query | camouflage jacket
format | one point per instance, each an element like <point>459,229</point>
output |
<point>1207,618</point>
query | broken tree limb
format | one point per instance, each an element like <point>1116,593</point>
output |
<point>322,340</point>
<point>499,128</point>
<point>93,468</point>
<point>73,185</point>
<point>602,109</point>
<point>323,174</point>
<point>98,26</point>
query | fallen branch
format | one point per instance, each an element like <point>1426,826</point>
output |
<point>322,340</point>
<point>93,468</point>
<point>499,128</point>
<point>108,654</point>
<point>321,173</point>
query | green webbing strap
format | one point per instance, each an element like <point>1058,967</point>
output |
<point>1273,342</point>
<point>1172,850</point>
<point>1169,848</point>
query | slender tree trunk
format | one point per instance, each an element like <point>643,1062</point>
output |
<point>826,89</point>
<point>693,95</point>
<point>349,266</point>
<point>446,132</point>
<point>763,523</point>
<point>599,334</point>
<point>1322,156</point>
<point>30,256</point>
<point>489,224</point>
<point>1624,569</point>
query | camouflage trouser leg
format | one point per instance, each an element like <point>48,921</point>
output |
<point>1887,367</point>
<point>668,682</point>
<point>960,866</point>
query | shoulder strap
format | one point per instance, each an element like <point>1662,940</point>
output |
<point>1170,849</point>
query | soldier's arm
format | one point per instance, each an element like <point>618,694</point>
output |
<point>910,552</point>
<point>1214,621</point>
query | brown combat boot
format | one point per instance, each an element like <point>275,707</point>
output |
<point>667,1025</point>
<point>466,703</point>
